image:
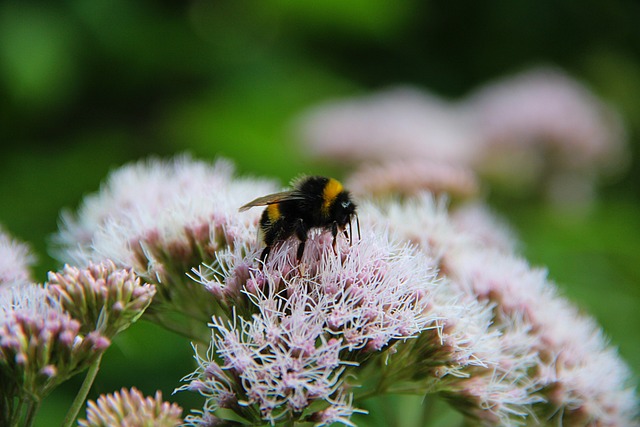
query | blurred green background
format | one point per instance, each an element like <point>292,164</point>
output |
<point>86,86</point>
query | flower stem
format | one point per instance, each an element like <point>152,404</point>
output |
<point>178,328</point>
<point>428,410</point>
<point>81,397</point>
<point>16,414</point>
<point>32,409</point>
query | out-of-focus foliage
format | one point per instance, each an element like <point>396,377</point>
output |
<point>88,85</point>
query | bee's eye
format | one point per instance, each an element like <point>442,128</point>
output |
<point>346,204</point>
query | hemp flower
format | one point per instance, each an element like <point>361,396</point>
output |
<point>401,123</point>
<point>540,130</point>
<point>483,227</point>
<point>161,219</point>
<point>101,297</point>
<point>315,325</point>
<point>409,177</point>
<point>129,408</point>
<point>40,345</point>
<point>556,359</point>
<point>543,126</point>
<point>15,260</point>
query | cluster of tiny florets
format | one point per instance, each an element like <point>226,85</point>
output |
<point>430,299</point>
<point>161,219</point>
<point>41,345</point>
<point>15,260</point>
<point>538,130</point>
<point>546,349</point>
<point>311,322</point>
<point>131,408</point>
<point>102,297</point>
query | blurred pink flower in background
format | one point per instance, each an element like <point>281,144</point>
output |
<point>539,131</point>
<point>15,260</point>
<point>397,123</point>
<point>544,128</point>
<point>410,177</point>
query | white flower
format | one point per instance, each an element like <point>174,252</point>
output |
<point>172,204</point>
<point>40,345</point>
<point>163,218</point>
<point>399,123</point>
<point>27,298</point>
<point>15,260</point>
<point>545,347</point>
<point>132,409</point>
<point>409,177</point>
<point>310,322</point>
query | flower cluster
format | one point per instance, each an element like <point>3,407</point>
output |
<point>547,352</point>
<point>540,130</point>
<point>544,128</point>
<point>411,177</point>
<point>41,346</point>
<point>161,219</point>
<point>50,333</point>
<point>315,322</point>
<point>15,260</point>
<point>319,328</point>
<point>130,408</point>
<point>427,301</point>
<point>102,297</point>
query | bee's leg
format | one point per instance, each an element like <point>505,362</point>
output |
<point>264,255</point>
<point>348,234</point>
<point>334,233</point>
<point>301,234</point>
<point>300,250</point>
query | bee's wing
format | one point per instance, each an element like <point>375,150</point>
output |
<point>271,199</point>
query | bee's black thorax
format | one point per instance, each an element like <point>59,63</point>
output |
<point>315,202</point>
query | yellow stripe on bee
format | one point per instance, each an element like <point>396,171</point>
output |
<point>273,212</point>
<point>329,194</point>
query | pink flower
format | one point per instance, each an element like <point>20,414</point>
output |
<point>310,324</point>
<point>540,130</point>
<point>15,260</point>
<point>543,127</point>
<point>288,353</point>
<point>130,408</point>
<point>555,356</point>
<point>41,345</point>
<point>101,297</point>
<point>409,177</point>
<point>161,219</point>
<point>398,124</point>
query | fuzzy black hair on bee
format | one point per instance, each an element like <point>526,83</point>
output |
<point>314,202</point>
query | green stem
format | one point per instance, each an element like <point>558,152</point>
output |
<point>178,328</point>
<point>426,417</point>
<point>81,397</point>
<point>32,409</point>
<point>17,412</point>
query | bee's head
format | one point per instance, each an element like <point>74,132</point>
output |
<point>343,209</point>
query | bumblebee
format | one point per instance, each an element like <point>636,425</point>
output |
<point>314,202</point>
